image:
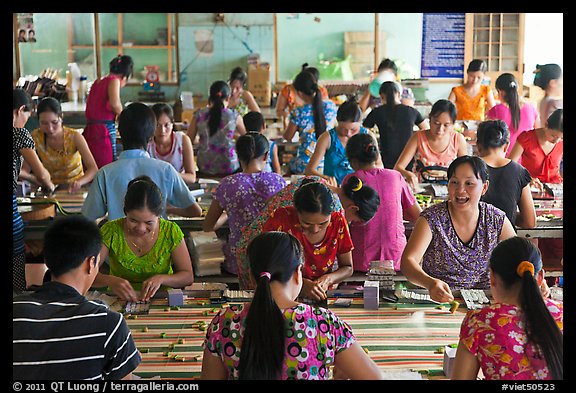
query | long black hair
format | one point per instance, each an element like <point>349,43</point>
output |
<point>540,326</point>
<point>365,197</point>
<point>142,193</point>
<point>308,85</point>
<point>219,92</point>
<point>122,65</point>
<point>507,83</point>
<point>313,197</point>
<point>388,90</point>
<point>263,347</point>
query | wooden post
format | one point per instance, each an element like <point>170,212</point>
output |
<point>275,48</point>
<point>376,40</point>
<point>97,44</point>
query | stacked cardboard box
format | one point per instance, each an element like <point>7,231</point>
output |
<point>259,83</point>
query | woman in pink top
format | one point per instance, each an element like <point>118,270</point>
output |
<point>519,335</point>
<point>383,237</point>
<point>102,106</point>
<point>436,147</point>
<point>518,114</point>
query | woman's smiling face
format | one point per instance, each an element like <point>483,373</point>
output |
<point>464,188</point>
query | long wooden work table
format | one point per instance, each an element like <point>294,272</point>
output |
<point>399,337</point>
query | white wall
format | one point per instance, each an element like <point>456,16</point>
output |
<point>543,42</point>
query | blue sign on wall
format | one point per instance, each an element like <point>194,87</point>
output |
<point>443,45</point>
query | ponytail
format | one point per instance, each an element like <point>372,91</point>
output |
<point>306,83</point>
<point>507,83</point>
<point>516,261</point>
<point>219,91</point>
<point>389,89</point>
<point>362,148</point>
<point>273,256</point>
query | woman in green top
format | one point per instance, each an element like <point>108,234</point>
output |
<point>145,252</point>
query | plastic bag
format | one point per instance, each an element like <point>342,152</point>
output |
<point>335,69</point>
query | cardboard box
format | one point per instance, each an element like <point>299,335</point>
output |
<point>371,295</point>
<point>259,84</point>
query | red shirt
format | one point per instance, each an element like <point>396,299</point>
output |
<point>546,167</point>
<point>318,258</point>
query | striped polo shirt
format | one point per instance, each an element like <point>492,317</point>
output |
<point>59,334</point>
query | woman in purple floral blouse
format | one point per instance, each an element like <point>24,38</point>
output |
<point>243,195</point>
<point>452,241</point>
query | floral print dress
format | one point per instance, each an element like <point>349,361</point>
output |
<point>314,335</point>
<point>496,336</point>
<point>217,153</point>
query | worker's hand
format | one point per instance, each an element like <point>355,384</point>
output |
<point>150,287</point>
<point>123,289</point>
<point>412,180</point>
<point>331,180</point>
<point>536,183</point>
<point>440,291</point>
<point>74,187</point>
<point>313,290</point>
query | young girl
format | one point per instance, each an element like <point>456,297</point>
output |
<point>102,106</point>
<point>549,78</point>
<point>324,235</point>
<point>254,121</point>
<point>395,123</point>
<point>288,99</point>
<point>242,101</point>
<point>243,195</point>
<point>310,120</point>
<point>357,206</point>
<point>473,99</point>
<point>518,114</point>
<point>23,150</point>
<point>146,252</point>
<point>383,237</point>
<point>520,335</point>
<point>436,147</point>
<point>63,150</point>
<point>276,337</point>
<point>331,146</point>
<point>172,146</point>
<point>215,125</point>
<point>509,188</point>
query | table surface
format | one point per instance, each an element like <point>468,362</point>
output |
<point>398,337</point>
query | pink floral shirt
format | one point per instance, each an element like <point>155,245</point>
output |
<point>496,335</point>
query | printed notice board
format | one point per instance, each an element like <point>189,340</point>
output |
<point>443,45</point>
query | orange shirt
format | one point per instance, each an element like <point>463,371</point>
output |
<point>471,108</point>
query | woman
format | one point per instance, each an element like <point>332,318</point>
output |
<point>172,146</point>
<point>383,237</point>
<point>241,101</point>
<point>451,241</point>
<point>242,195</point>
<point>542,149</point>
<point>395,122</point>
<point>473,99</point>
<point>509,187</point>
<point>288,99</point>
<point>549,78</point>
<point>146,252</point>
<point>434,149</point>
<point>102,106</point>
<point>276,337</point>
<point>357,206</point>
<point>23,149</point>
<point>519,335</point>
<point>331,146</point>
<point>518,114</point>
<point>310,120</point>
<point>387,72</point>
<point>215,126</point>
<point>62,150</point>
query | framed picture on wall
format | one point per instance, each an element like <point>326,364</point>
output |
<point>26,31</point>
